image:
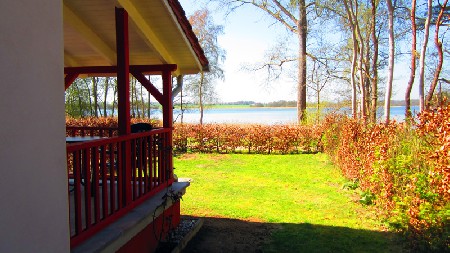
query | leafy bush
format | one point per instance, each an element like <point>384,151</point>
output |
<point>104,121</point>
<point>403,169</point>
<point>261,139</point>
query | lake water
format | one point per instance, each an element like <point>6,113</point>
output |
<point>261,115</point>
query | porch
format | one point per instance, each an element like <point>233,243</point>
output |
<point>121,190</point>
<point>117,210</point>
<point>106,180</point>
<point>101,189</point>
<point>112,171</point>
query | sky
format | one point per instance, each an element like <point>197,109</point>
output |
<point>248,34</point>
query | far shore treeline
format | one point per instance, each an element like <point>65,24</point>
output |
<point>323,104</point>
<point>140,111</point>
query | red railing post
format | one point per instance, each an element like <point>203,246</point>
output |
<point>77,191</point>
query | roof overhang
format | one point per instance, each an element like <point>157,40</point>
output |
<point>159,33</point>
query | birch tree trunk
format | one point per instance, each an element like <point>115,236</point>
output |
<point>132,87</point>
<point>105,97</point>
<point>422,57</point>
<point>412,75</point>
<point>354,58</point>
<point>114,96</point>
<point>301,89</point>
<point>360,61</point>
<point>142,102</point>
<point>136,99</point>
<point>178,87</point>
<point>95,95</point>
<point>88,89</point>
<point>387,98</point>
<point>367,83</point>
<point>318,105</point>
<point>149,102</point>
<point>80,103</point>
<point>374,85</point>
<point>440,56</point>
<point>200,96</point>
<point>149,106</point>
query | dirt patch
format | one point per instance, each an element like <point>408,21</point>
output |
<point>230,235</point>
<point>194,156</point>
<point>187,156</point>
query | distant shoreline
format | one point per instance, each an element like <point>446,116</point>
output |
<point>234,105</point>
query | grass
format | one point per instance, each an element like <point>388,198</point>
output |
<point>302,193</point>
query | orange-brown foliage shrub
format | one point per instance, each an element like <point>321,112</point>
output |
<point>262,139</point>
<point>104,121</point>
<point>404,170</point>
<point>435,127</point>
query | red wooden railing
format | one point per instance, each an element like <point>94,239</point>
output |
<point>111,176</point>
<point>91,131</point>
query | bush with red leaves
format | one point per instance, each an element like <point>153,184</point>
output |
<point>403,169</point>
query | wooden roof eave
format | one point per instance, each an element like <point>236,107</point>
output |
<point>163,45</point>
<point>189,35</point>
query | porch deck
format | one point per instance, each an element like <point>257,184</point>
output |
<point>118,233</point>
<point>101,192</point>
<point>112,178</point>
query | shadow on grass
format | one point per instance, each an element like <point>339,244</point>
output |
<point>231,235</point>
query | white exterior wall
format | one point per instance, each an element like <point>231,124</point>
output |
<point>33,177</point>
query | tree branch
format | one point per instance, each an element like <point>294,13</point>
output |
<point>444,80</point>
<point>264,7</point>
<point>285,11</point>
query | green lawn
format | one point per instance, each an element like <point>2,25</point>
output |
<point>303,193</point>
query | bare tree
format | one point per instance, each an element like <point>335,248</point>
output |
<point>412,75</point>
<point>390,77</point>
<point>178,87</point>
<point>114,103</point>
<point>422,56</point>
<point>105,96</point>
<point>318,81</point>
<point>350,17</point>
<point>142,102</point>
<point>363,26</point>
<point>78,100</point>
<point>440,55</point>
<point>94,81</point>
<point>132,97</point>
<point>302,35</point>
<point>374,80</point>
<point>293,16</point>
<point>202,86</point>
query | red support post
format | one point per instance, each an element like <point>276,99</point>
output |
<point>123,71</point>
<point>167,99</point>
<point>123,88</point>
<point>168,120</point>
